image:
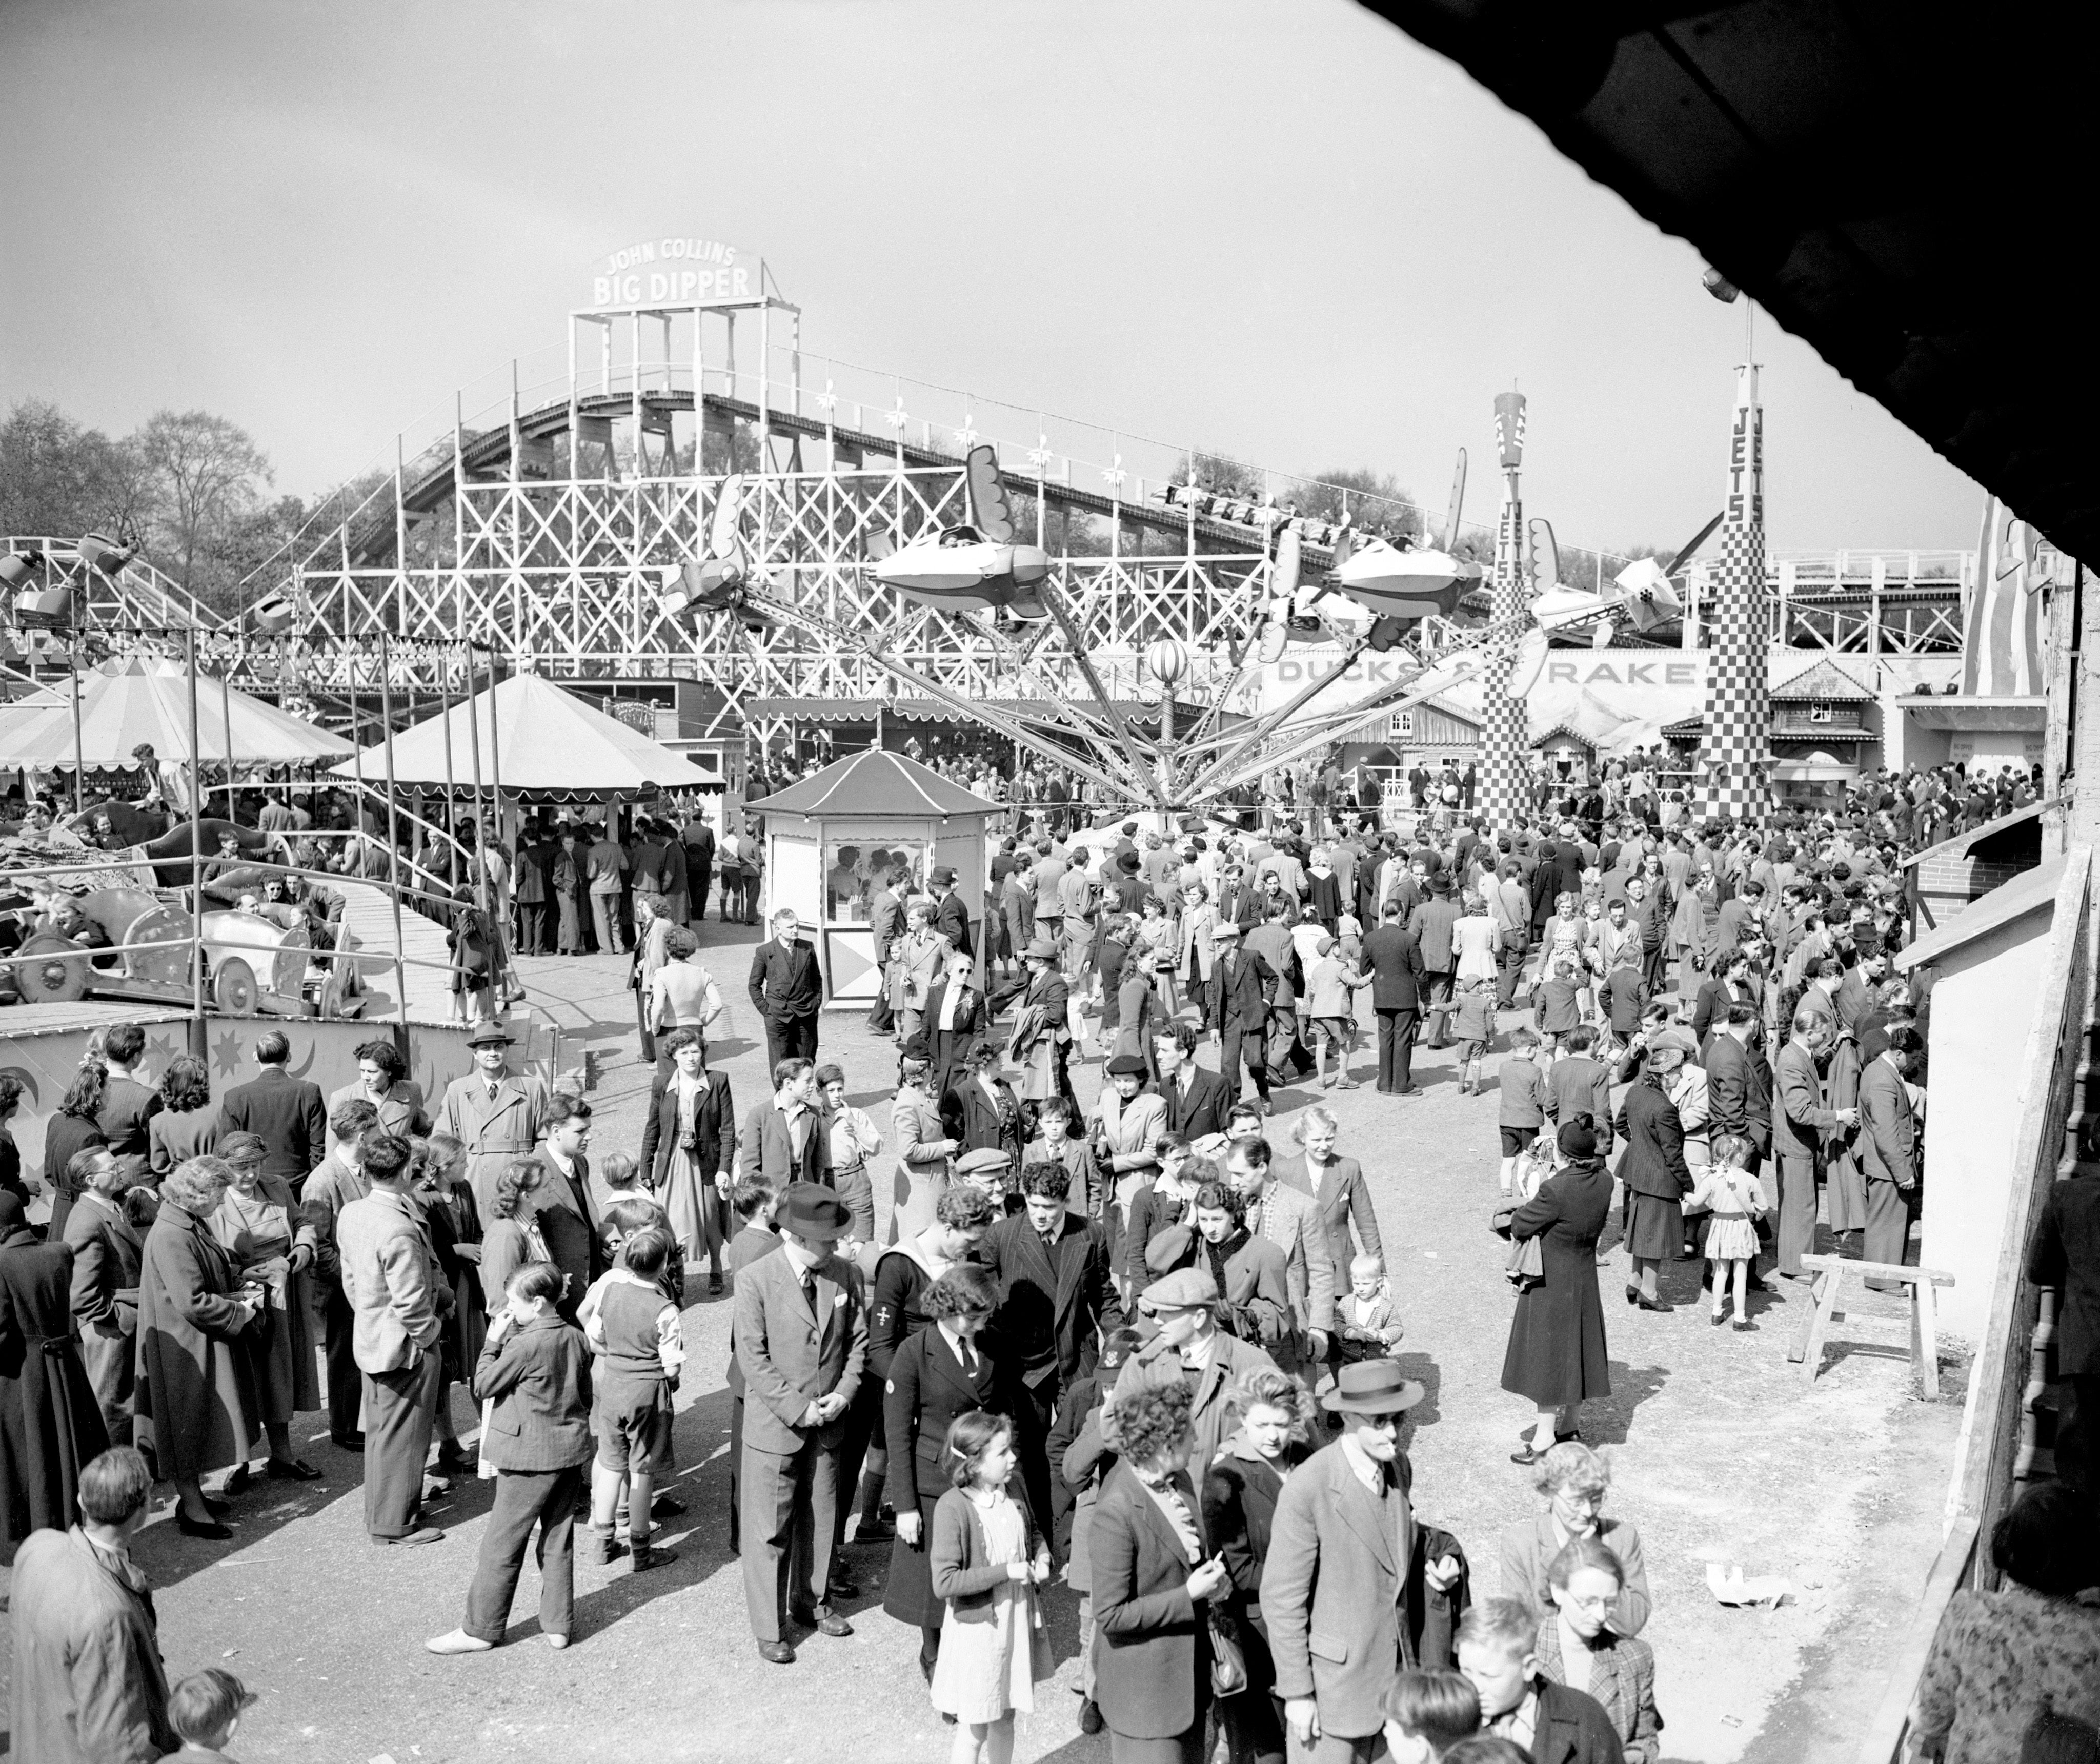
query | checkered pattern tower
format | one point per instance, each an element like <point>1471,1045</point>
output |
<point>1736,761</point>
<point>1503,776</point>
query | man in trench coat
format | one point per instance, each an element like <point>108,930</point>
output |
<point>494,1114</point>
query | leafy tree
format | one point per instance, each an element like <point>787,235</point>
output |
<point>209,476</point>
<point>61,479</point>
<point>1371,499</point>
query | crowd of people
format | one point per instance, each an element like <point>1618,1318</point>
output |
<point>1143,1354</point>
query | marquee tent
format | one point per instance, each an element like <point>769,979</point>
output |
<point>539,739</point>
<point>146,700</point>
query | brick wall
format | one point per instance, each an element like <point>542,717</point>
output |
<point>1950,883</point>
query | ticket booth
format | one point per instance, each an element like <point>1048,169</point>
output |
<point>831,838</point>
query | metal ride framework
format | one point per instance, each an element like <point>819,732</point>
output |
<point>546,534</point>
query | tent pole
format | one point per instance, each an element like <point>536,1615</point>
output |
<point>474,753</point>
<point>226,717</point>
<point>79,744</point>
<point>452,803</point>
<point>393,832</point>
<point>196,844</point>
<point>500,935</point>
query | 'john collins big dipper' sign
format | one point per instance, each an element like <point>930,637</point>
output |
<point>676,272</point>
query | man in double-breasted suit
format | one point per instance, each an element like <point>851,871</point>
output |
<point>801,1343</point>
<point>1245,983</point>
<point>496,1114</point>
<point>1197,1100</point>
<point>783,1140</point>
<point>1395,961</point>
<point>1739,1079</point>
<point>1057,1299</point>
<point>1888,1151</point>
<point>286,1113</point>
<point>568,1210</point>
<point>1339,1554</point>
<point>788,990</point>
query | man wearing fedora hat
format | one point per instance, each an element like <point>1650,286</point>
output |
<point>951,914</point>
<point>801,1344</point>
<point>495,1113</point>
<point>1347,1565</point>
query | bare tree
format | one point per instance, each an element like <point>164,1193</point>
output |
<point>211,476</point>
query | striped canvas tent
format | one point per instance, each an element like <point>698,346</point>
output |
<point>2001,623</point>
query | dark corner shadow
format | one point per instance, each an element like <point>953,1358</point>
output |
<point>1080,1749</point>
<point>1426,1373</point>
<point>1608,1421</point>
<point>1836,1353</point>
<point>867,1098</point>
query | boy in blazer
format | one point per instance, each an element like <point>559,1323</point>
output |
<point>536,1370</point>
<point>801,1343</point>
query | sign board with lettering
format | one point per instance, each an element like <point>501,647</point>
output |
<point>677,272</point>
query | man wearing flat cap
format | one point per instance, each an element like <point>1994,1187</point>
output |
<point>1354,1590</point>
<point>801,1343</point>
<point>1183,1307</point>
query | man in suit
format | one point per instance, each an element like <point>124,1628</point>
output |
<point>496,1115</point>
<point>1395,961</point>
<point>1799,1122</point>
<point>1576,1084</point>
<point>1195,1100</point>
<point>885,925</point>
<point>801,1343</point>
<point>699,839</point>
<point>1185,1305</point>
<point>1887,1147</point>
<point>951,914</point>
<point>387,1266</point>
<point>1289,1219</point>
<point>1339,1548</point>
<point>787,990</point>
<point>1057,1300</point>
<point>382,1080</point>
<point>1246,983</point>
<point>127,1104</point>
<point>783,1140</point>
<point>1854,996</point>
<point>2066,1252</point>
<point>568,1210</point>
<point>337,1180</point>
<point>1430,925</point>
<point>756,1238</point>
<point>1236,904</point>
<point>1551,1722</point>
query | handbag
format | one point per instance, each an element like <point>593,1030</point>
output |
<point>1228,1667</point>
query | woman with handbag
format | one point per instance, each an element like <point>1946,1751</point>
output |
<point>1153,1580</point>
<point>1240,1492</point>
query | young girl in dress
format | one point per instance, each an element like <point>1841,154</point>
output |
<point>1730,1192</point>
<point>987,1560</point>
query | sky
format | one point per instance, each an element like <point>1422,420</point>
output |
<point>1276,229</point>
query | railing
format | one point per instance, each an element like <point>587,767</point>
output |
<point>1989,1455</point>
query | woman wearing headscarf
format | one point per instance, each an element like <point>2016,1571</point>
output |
<point>257,1223</point>
<point>51,1424</point>
<point>1557,1356</point>
<point>196,1384</point>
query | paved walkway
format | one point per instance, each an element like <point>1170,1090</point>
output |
<point>1720,1452</point>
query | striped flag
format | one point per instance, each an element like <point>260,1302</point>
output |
<point>2001,625</point>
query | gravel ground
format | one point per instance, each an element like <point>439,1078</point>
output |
<point>1721,1453</point>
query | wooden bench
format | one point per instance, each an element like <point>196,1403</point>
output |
<point>1830,1272</point>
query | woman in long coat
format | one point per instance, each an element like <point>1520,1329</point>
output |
<point>196,1392</point>
<point>1844,1182</point>
<point>50,1423</point>
<point>688,1147</point>
<point>1557,1356</point>
<point>980,1111</point>
<point>927,1387</point>
<point>257,1223</point>
<point>454,1220</point>
<point>925,1153</point>
<point>1652,1167</point>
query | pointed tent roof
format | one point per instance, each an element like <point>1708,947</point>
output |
<point>539,739</point>
<point>1826,682</point>
<point>875,784</point>
<point>146,699</point>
